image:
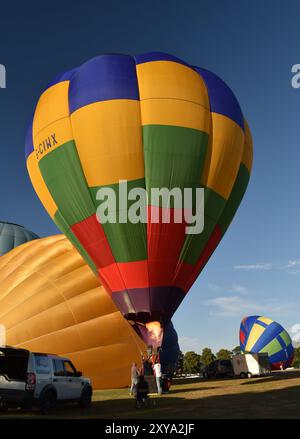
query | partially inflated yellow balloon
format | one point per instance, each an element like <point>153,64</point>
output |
<point>50,301</point>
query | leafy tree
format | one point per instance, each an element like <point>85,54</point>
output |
<point>179,369</point>
<point>296,361</point>
<point>191,362</point>
<point>236,350</point>
<point>207,356</point>
<point>224,354</point>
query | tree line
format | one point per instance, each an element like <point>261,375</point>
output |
<point>191,362</point>
<point>296,361</point>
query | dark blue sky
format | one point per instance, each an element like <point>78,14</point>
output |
<point>252,46</point>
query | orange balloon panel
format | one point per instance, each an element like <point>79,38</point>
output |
<point>50,301</point>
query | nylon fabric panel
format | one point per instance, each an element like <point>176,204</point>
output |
<point>235,198</point>
<point>64,178</point>
<point>59,306</point>
<point>272,347</point>
<point>254,336</point>
<point>285,337</point>
<point>65,228</point>
<point>225,155</point>
<point>187,273</point>
<point>52,106</point>
<point>265,320</point>
<point>174,157</point>
<point>165,79</point>
<point>271,331</point>
<point>91,234</point>
<point>194,244</point>
<point>247,158</point>
<point>40,186</point>
<point>221,98</point>
<point>165,241</point>
<point>52,137</point>
<point>108,139</point>
<point>128,241</point>
<point>175,113</point>
<point>103,78</point>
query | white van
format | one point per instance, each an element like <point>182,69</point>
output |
<point>249,365</point>
<point>29,379</point>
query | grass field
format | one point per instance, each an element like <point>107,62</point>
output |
<point>276,396</point>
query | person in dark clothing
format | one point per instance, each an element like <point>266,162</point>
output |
<point>147,368</point>
<point>141,391</point>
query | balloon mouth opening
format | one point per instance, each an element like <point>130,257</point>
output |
<point>146,317</point>
<point>151,333</point>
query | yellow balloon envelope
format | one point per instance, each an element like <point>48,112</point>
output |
<point>50,301</point>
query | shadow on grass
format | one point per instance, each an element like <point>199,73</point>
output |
<point>189,389</point>
<point>283,403</point>
<point>179,381</point>
<point>277,376</point>
<point>275,403</point>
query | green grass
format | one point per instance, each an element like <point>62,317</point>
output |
<point>276,396</point>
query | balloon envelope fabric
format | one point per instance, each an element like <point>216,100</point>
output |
<point>261,334</point>
<point>12,235</point>
<point>170,349</point>
<point>155,122</point>
<point>50,301</point>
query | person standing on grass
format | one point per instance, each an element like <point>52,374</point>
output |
<point>134,377</point>
<point>282,365</point>
<point>157,373</point>
<point>142,390</point>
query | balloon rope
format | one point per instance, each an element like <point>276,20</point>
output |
<point>131,333</point>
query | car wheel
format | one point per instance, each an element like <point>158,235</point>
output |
<point>86,398</point>
<point>242,375</point>
<point>47,402</point>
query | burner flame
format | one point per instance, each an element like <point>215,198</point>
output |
<point>154,334</point>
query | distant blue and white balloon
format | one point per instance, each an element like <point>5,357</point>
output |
<point>261,334</point>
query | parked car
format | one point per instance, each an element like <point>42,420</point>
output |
<point>218,369</point>
<point>249,365</point>
<point>31,379</point>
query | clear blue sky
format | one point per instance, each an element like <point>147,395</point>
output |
<point>252,46</point>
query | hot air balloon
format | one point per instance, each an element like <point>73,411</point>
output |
<point>50,301</point>
<point>169,352</point>
<point>12,235</point>
<point>261,334</point>
<point>154,122</point>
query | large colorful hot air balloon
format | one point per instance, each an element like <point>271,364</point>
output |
<point>261,334</point>
<point>50,301</point>
<point>12,235</point>
<point>155,122</point>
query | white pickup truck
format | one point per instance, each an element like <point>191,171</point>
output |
<point>29,379</point>
<point>249,365</point>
